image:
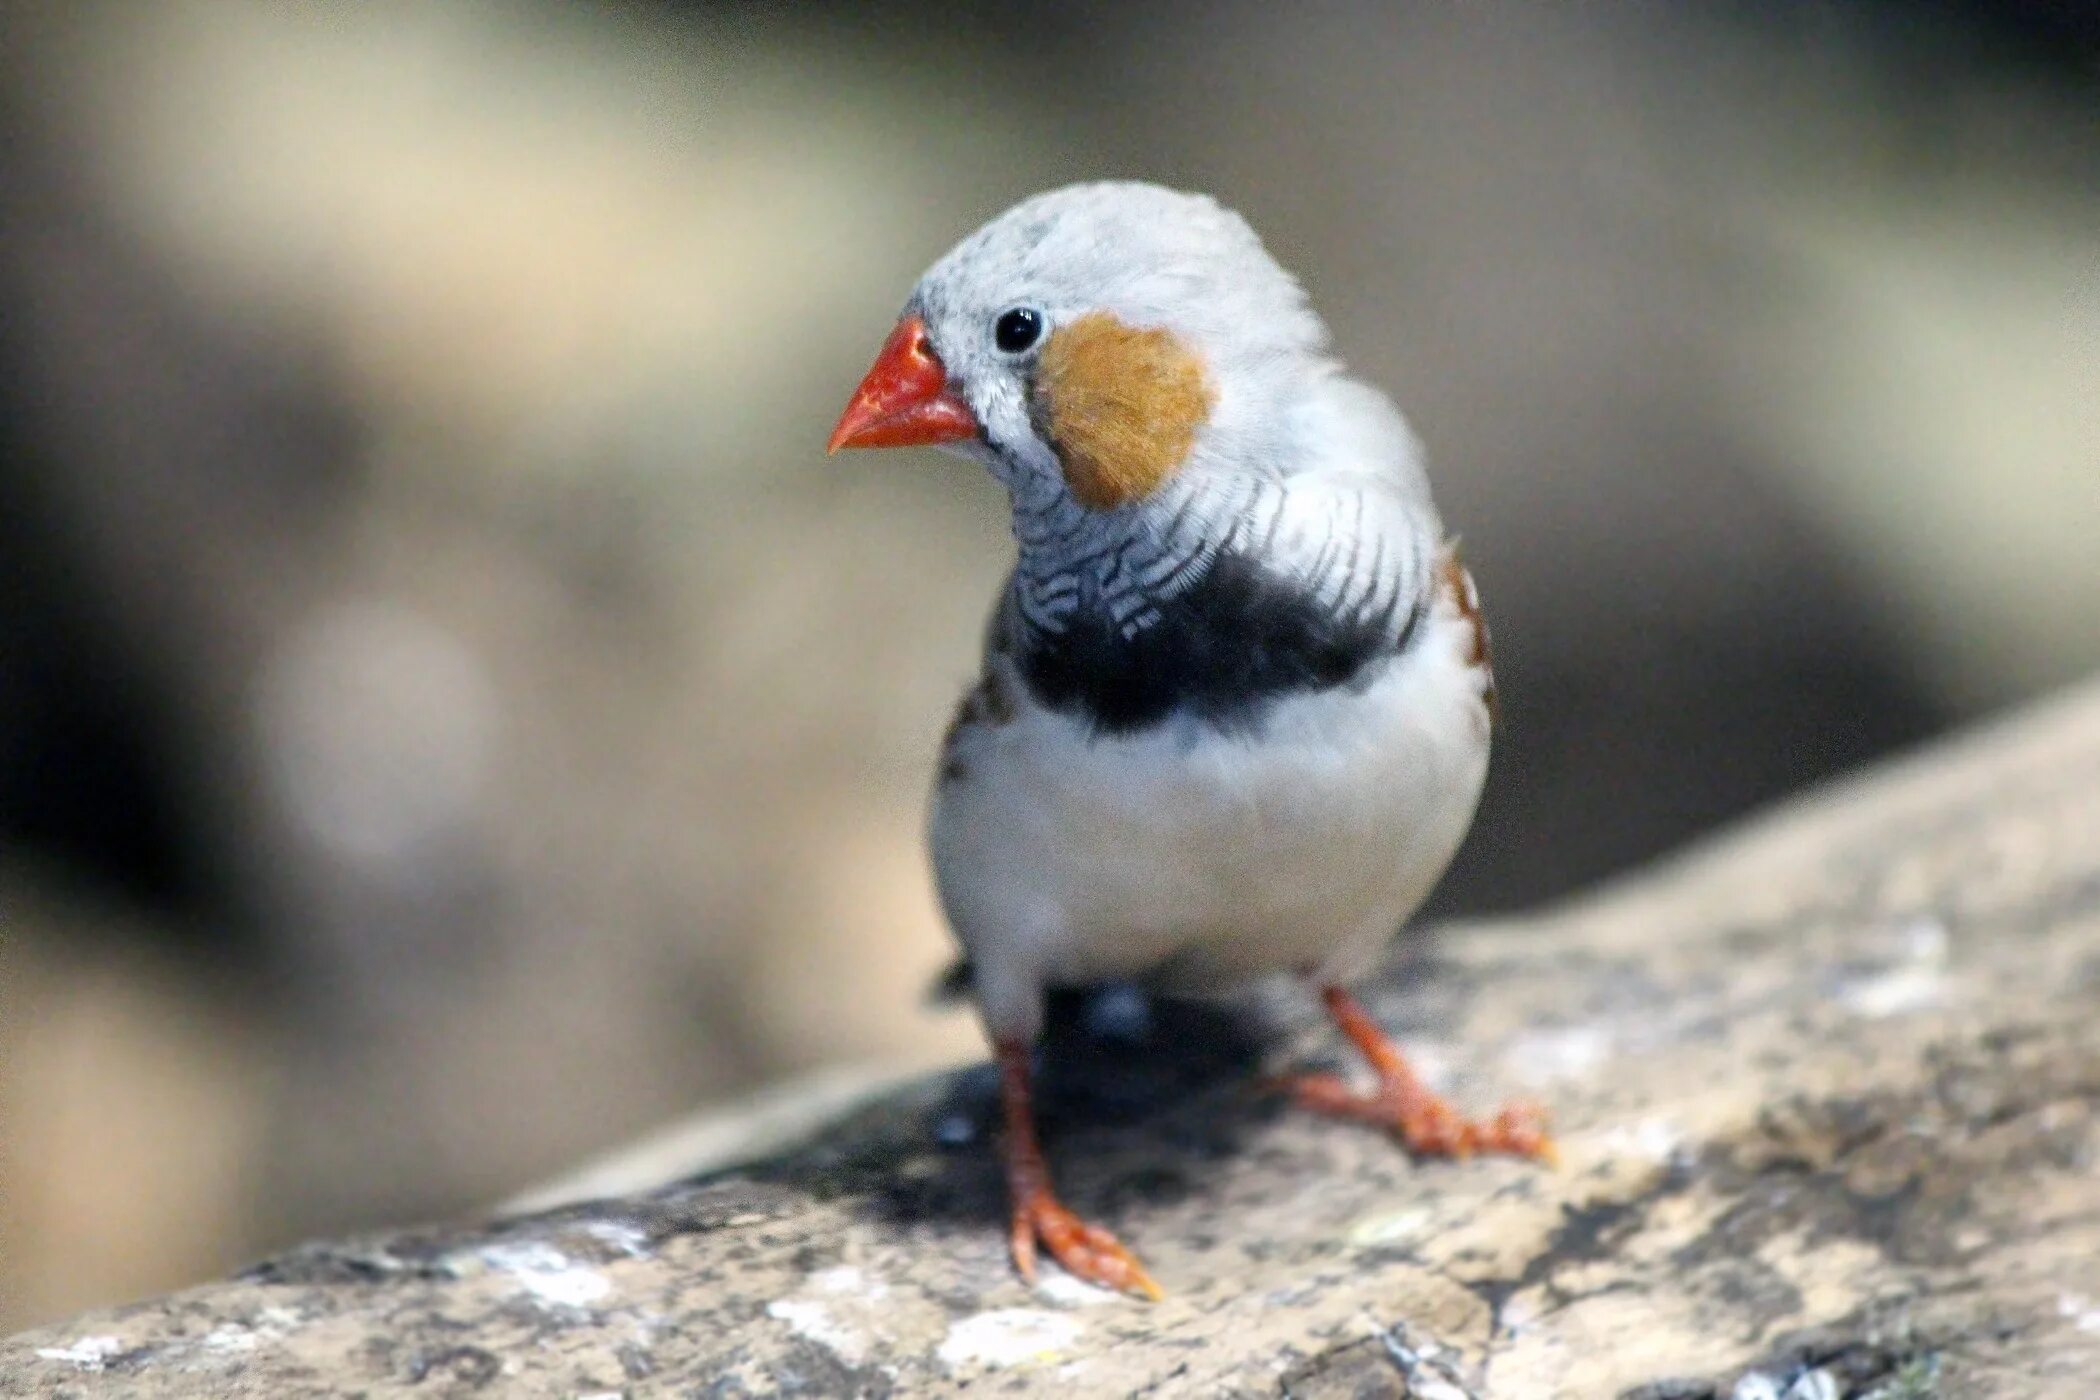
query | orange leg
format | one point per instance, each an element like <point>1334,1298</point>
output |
<point>1086,1251</point>
<point>1426,1123</point>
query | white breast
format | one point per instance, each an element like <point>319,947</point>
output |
<point>1204,858</point>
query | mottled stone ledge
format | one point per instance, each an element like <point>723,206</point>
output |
<point>1827,1095</point>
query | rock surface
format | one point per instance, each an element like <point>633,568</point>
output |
<point>1826,1093</point>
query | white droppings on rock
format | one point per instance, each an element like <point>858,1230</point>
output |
<point>814,1322</point>
<point>2079,1310</point>
<point>1060,1287</point>
<point>1649,1139</point>
<point>1755,1386</point>
<point>840,1309</point>
<point>271,1324</point>
<point>1519,1311</point>
<point>1421,1365</point>
<point>1913,984</point>
<point>1894,993</point>
<point>1394,1227</point>
<point>1818,1384</point>
<point>547,1274</point>
<point>88,1354</point>
<point>1008,1337</point>
<point>847,1279</point>
<point>630,1240</point>
<point>1554,1056</point>
<point>1437,1388</point>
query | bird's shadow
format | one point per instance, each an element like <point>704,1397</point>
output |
<point>1137,1093</point>
<point>1110,1059</point>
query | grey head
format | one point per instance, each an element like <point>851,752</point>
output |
<point>1154,390</point>
<point>1151,258</point>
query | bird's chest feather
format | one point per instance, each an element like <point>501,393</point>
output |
<point>1242,849</point>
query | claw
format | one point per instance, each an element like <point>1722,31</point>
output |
<point>1519,1130</point>
<point>1085,1251</point>
<point>1022,1240</point>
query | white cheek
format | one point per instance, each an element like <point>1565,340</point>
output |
<point>1001,407</point>
<point>1005,417</point>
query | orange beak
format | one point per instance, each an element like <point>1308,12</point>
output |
<point>904,399</point>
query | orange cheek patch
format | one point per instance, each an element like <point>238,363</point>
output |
<point>1122,406</point>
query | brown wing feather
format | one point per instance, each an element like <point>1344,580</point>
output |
<point>987,703</point>
<point>1455,582</point>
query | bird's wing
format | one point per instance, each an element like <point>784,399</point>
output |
<point>991,701</point>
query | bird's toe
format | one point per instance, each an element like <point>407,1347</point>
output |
<point>1085,1251</point>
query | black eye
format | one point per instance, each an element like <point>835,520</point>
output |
<point>1017,329</point>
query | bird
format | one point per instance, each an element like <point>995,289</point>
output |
<point>1236,699</point>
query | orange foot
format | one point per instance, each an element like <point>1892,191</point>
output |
<point>1403,1103</point>
<point>1426,1123</point>
<point>1086,1251</point>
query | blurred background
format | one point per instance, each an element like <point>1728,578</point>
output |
<point>453,717</point>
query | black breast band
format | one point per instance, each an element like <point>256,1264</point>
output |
<point>1237,639</point>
